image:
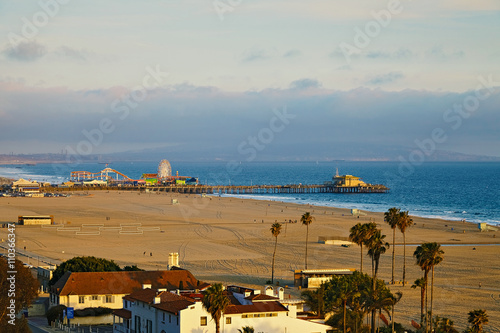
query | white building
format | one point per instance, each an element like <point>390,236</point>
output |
<point>93,289</point>
<point>157,311</point>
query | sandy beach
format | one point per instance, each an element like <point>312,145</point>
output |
<point>228,240</point>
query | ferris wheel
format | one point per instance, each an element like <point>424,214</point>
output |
<point>164,169</point>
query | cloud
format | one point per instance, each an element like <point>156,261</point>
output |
<point>438,52</point>
<point>401,53</point>
<point>255,55</point>
<point>71,53</point>
<point>292,53</point>
<point>305,84</point>
<point>26,51</point>
<point>203,121</point>
<point>385,78</point>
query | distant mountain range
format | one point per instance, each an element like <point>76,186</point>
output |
<point>341,151</point>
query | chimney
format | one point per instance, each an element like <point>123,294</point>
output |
<point>173,260</point>
<point>157,300</point>
<point>146,286</point>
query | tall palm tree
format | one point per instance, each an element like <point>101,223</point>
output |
<point>404,223</point>
<point>435,256</point>
<point>420,283</point>
<point>215,302</point>
<point>376,246</point>
<point>357,235</point>
<point>307,219</point>
<point>275,231</point>
<point>423,262</point>
<point>392,219</point>
<point>477,318</point>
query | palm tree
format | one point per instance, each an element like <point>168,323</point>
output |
<point>392,219</point>
<point>422,261</point>
<point>404,223</point>
<point>477,318</point>
<point>444,325</point>
<point>377,246</point>
<point>435,256</point>
<point>357,235</point>
<point>275,231</point>
<point>428,255</point>
<point>307,219</point>
<point>420,283</point>
<point>395,299</point>
<point>246,329</point>
<point>215,302</point>
<point>314,299</point>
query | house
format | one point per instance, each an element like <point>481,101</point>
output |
<point>93,289</point>
<point>149,310</point>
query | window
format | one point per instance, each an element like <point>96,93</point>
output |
<point>228,320</point>
<point>81,299</point>
<point>95,297</point>
<point>203,321</point>
<point>109,299</point>
<point>149,326</point>
<point>169,318</point>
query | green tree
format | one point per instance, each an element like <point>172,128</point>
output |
<point>307,219</point>
<point>420,283</point>
<point>84,264</point>
<point>477,319</point>
<point>443,325</point>
<point>215,302</point>
<point>275,231</point>
<point>359,234</point>
<point>18,292</point>
<point>392,218</point>
<point>314,299</point>
<point>246,329</point>
<point>404,223</point>
<point>342,289</point>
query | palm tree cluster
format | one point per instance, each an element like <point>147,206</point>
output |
<point>427,256</point>
<point>401,220</point>
<point>351,299</point>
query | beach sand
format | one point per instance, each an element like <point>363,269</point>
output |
<point>228,240</point>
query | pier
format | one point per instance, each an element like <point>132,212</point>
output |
<point>231,189</point>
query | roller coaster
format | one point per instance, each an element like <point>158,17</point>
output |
<point>109,176</point>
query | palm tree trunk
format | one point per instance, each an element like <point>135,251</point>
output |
<point>307,236</point>
<point>422,298</point>
<point>426,312</point>
<point>392,316</point>
<point>274,254</point>
<point>404,258</point>
<point>361,257</point>
<point>393,252</point>
<point>345,301</point>
<point>217,326</point>
<point>432,295</point>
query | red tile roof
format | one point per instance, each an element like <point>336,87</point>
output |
<point>125,282</point>
<point>169,302</point>
<point>125,314</point>
<point>255,308</point>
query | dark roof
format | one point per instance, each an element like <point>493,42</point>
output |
<point>257,307</point>
<point>125,314</point>
<point>124,282</point>
<point>261,297</point>
<point>169,302</point>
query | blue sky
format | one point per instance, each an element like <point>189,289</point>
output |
<point>83,55</point>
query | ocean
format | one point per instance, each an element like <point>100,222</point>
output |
<point>447,190</point>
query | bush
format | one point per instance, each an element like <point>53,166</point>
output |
<point>55,313</point>
<point>91,312</point>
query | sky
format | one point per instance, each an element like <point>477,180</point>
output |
<point>250,79</point>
